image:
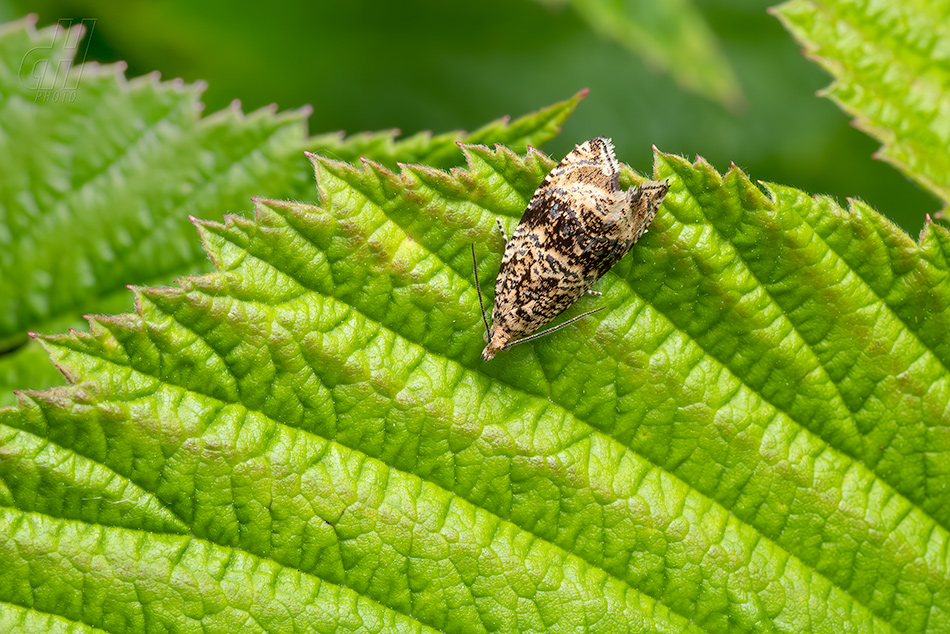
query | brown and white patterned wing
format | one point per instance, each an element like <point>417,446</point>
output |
<point>578,224</point>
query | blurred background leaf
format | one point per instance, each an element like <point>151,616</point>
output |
<point>429,65</point>
<point>672,36</point>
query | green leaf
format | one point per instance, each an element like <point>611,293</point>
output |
<point>672,36</point>
<point>752,438</point>
<point>100,174</point>
<point>891,64</point>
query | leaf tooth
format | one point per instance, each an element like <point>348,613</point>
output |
<point>455,183</point>
<point>323,166</point>
<point>318,166</point>
<point>706,169</point>
<point>394,184</point>
<point>161,295</point>
<point>934,235</point>
<point>79,355</point>
<point>32,404</point>
<point>665,164</point>
<point>516,177</point>
<point>426,173</point>
<point>27,23</point>
<point>690,184</point>
<point>386,138</point>
<point>860,211</point>
<point>331,138</point>
<point>288,213</point>
<point>746,190</point>
<point>153,81</point>
<point>534,155</point>
<point>218,239</point>
<point>768,188</point>
<point>269,114</point>
<point>211,240</point>
<point>60,347</point>
<point>426,136</point>
<point>373,181</point>
<point>332,165</point>
<point>472,150</point>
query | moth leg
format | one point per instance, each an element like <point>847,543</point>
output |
<point>590,292</point>
<point>552,328</point>
<point>502,229</point>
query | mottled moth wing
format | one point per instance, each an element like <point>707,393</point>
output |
<point>578,224</point>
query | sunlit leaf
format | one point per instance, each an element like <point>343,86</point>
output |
<point>752,437</point>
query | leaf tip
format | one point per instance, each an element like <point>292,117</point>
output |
<point>136,292</point>
<point>375,167</point>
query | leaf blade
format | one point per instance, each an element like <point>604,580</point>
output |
<point>634,446</point>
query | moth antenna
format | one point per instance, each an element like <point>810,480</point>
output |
<point>548,331</point>
<point>502,229</point>
<point>478,287</point>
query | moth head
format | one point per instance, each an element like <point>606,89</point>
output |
<point>498,340</point>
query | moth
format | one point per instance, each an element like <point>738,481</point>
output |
<point>578,224</point>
